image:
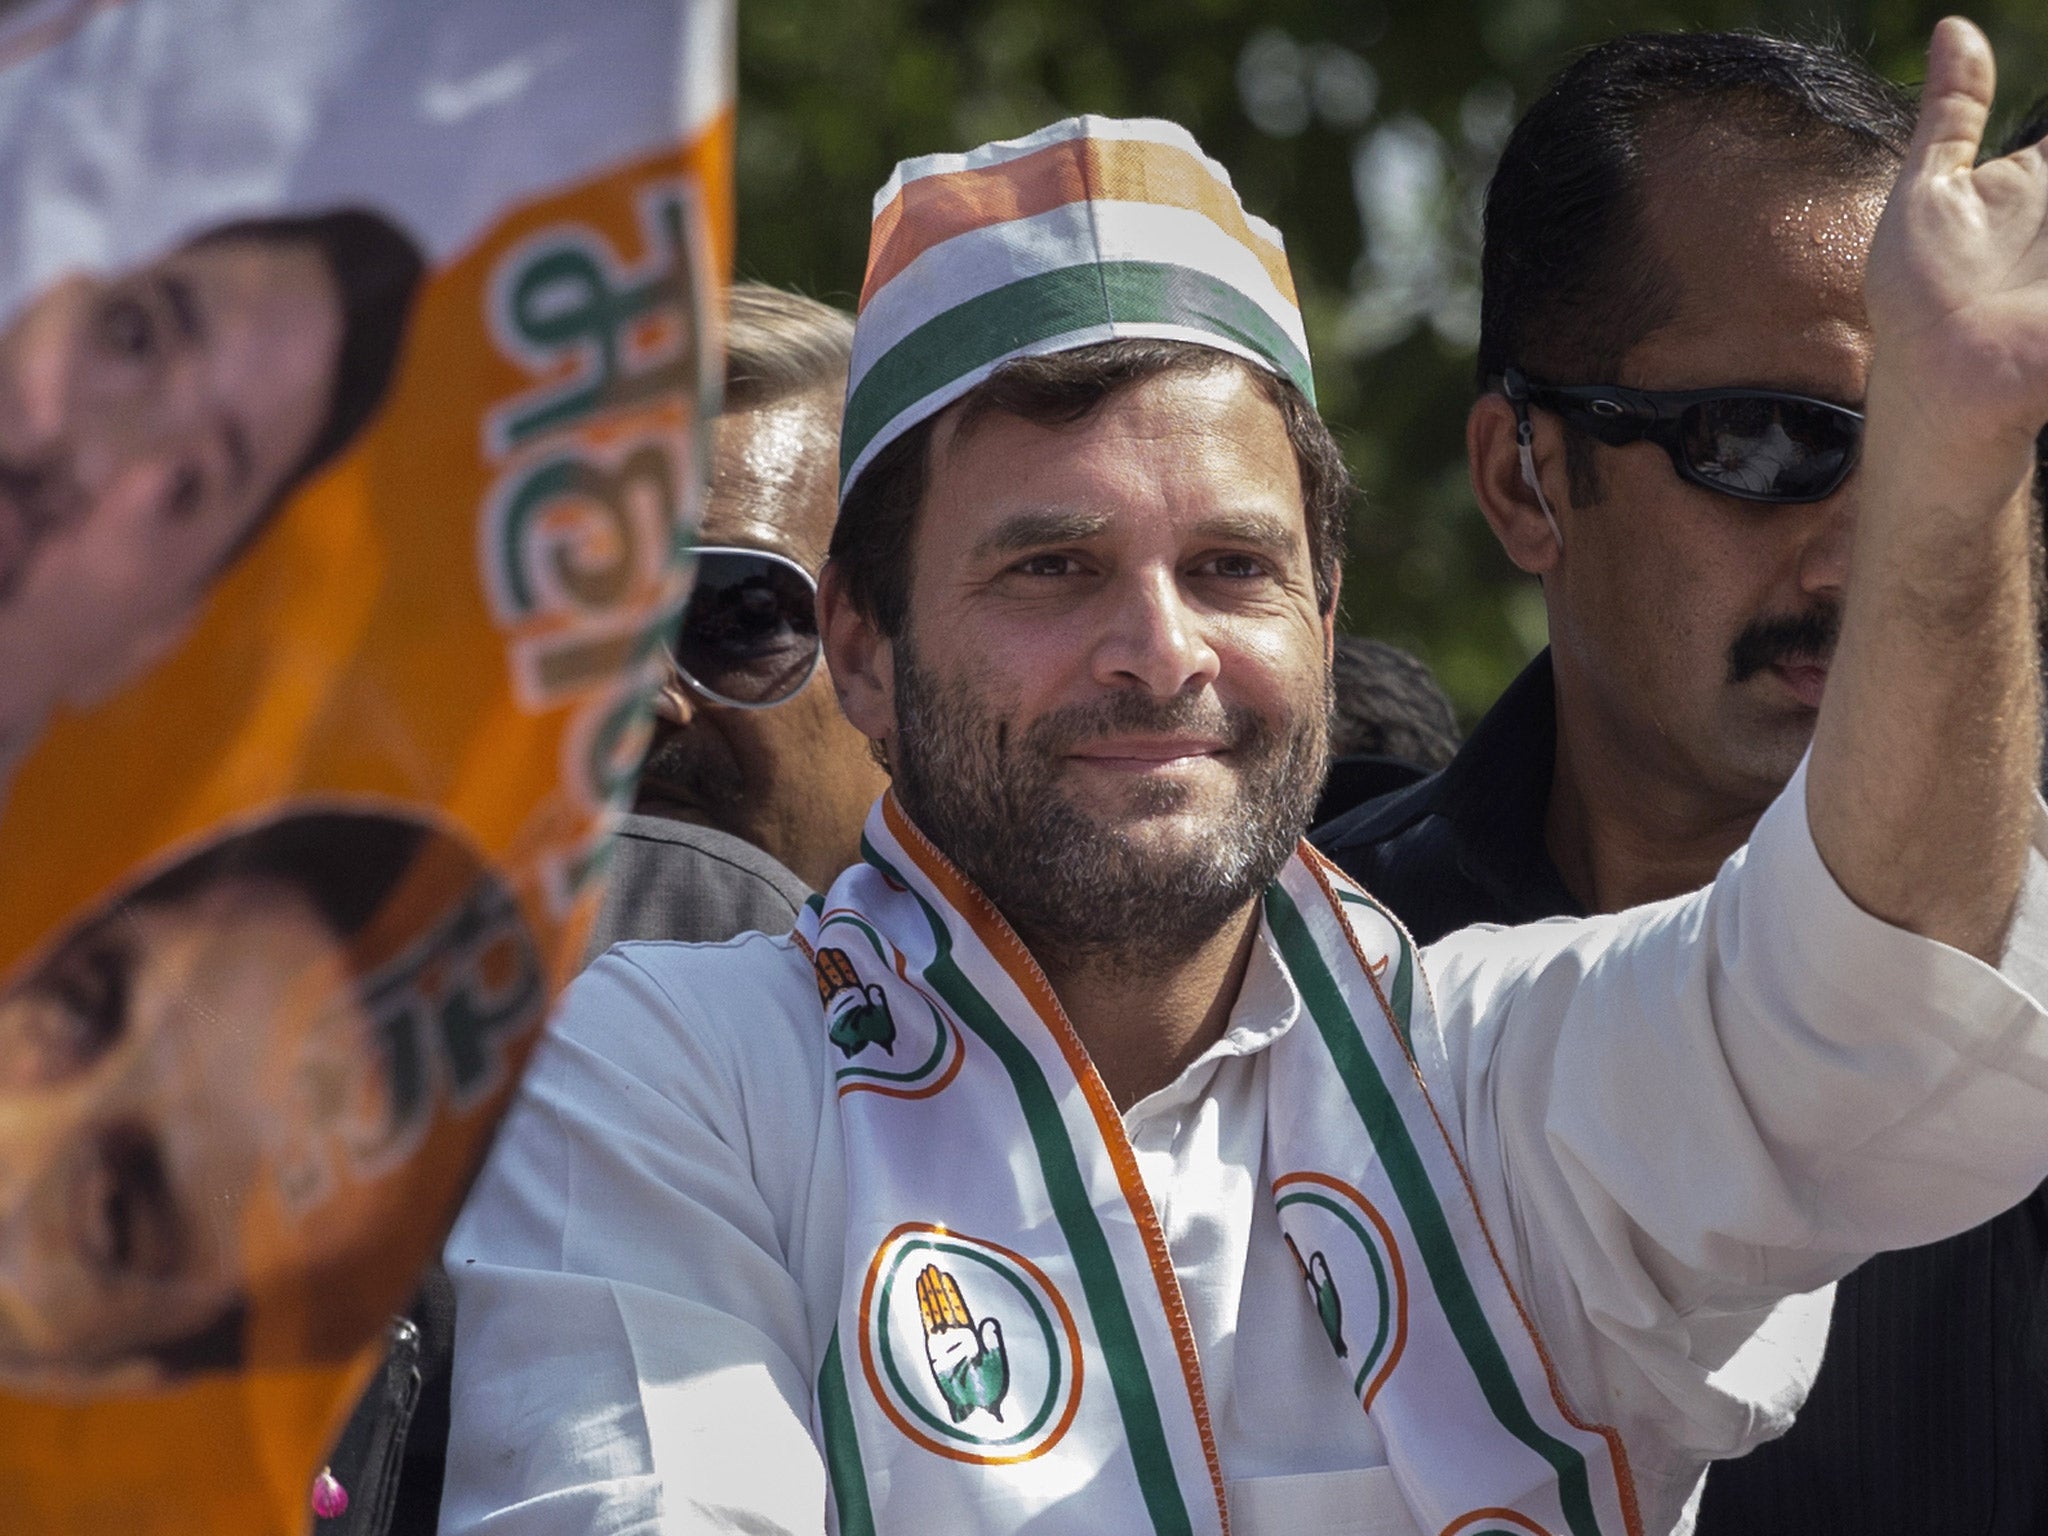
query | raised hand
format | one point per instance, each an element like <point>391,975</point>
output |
<point>1958,280</point>
<point>968,1361</point>
<point>1925,758</point>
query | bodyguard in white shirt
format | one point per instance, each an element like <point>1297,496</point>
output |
<point>1093,1156</point>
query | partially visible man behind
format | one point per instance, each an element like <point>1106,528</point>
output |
<point>752,791</point>
<point>1673,287</point>
<point>1390,724</point>
<point>754,787</point>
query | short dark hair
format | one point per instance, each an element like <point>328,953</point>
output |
<point>872,540</point>
<point>1387,703</point>
<point>345,863</point>
<point>377,268</point>
<point>1567,286</point>
<point>779,344</point>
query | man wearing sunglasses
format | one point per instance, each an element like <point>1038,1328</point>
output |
<point>753,789</point>
<point>1669,434</point>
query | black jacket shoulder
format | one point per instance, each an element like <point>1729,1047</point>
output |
<point>1465,845</point>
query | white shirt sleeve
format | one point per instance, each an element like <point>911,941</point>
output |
<point>628,1329</point>
<point>1687,1113</point>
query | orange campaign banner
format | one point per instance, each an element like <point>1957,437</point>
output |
<point>356,363</point>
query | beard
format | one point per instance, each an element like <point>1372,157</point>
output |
<point>1082,889</point>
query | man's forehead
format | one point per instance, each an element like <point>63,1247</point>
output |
<point>1750,202</point>
<point>1714,194</point>
<point>773,476</point>
<point>1765,268</point>
<point>1270,524</point>
<point>1202,451</point>
<point>254,286</point>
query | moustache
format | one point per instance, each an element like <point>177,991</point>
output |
<point>692,766</point>
<point>1135,713</point>
<point>1807,637</point>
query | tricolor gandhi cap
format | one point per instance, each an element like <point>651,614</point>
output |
<point>1088,231</point>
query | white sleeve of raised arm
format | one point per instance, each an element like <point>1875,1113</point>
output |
<point>1689,1112</point>
<point>629,1336</point>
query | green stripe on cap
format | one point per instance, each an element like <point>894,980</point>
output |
<point>990,328</point>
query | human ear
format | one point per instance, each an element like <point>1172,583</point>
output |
<point>861,659</point>
<point>1513,508</point>
<point>1330,615</point>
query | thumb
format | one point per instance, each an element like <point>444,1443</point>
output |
<point>991,1335</point>
<point>1956,101</point>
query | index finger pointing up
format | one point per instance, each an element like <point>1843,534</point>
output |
<point>1956,102</point>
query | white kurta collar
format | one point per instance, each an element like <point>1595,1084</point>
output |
<point>1267,1007</point>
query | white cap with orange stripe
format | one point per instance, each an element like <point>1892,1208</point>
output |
<point>1092,229</point>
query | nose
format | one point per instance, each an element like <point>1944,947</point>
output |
<point>1154,637</point>
<point>1824,557</point>
<point>134,443</point>
<point>674,702</point>
<point>25,1154</point>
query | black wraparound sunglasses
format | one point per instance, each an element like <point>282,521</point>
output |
<point>748,636</point>
<point>1757,444</point>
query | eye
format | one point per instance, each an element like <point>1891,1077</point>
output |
<point>76,1011</point>
<point>127,329</point>
<point>750,620</point>
<point>1234,567</point>
<point>128,1222</point>
<point>1047,565</point>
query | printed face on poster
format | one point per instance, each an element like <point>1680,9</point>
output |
<point>353,387</point>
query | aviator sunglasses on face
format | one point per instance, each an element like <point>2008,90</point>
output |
<point>1757,444</point>
<point>749,634</point>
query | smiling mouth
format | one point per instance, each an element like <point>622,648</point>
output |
<point>1147,756</point>
<point>1807,680</point>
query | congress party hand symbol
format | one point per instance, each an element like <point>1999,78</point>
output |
<point>858,1013</point>
<point>864,1023</point>
<point>1322,1290</point>
<point>968,1362</point>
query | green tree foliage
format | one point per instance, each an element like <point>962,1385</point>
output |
<point>1363,129</point>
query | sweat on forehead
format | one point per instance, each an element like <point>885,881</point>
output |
<point>1568,282</point>
<point>1718,197</point>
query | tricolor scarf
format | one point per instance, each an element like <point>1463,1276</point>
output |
<point>1010,1332</point>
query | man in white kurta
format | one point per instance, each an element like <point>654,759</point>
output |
<point>1600,1173</point>
<point>654,1257</point>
